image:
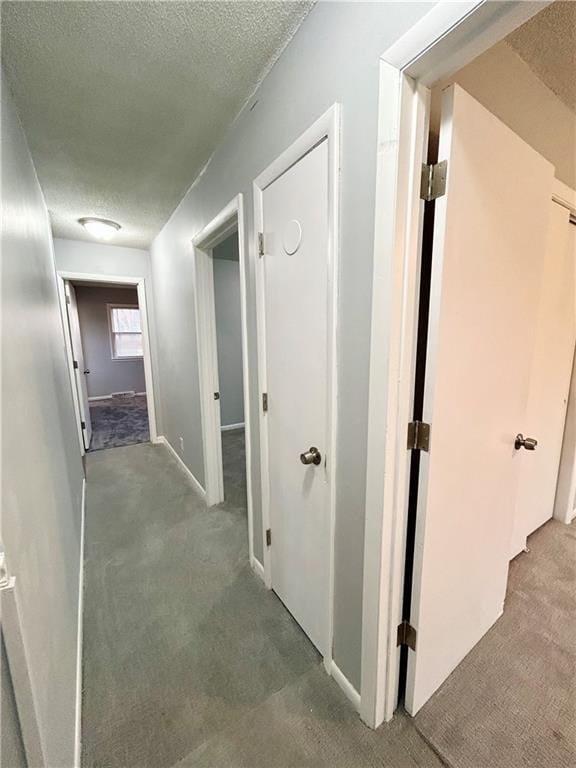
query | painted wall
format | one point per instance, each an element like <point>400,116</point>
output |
<point>106,374</point>
<point>334,57</point>
<point>229,330</point>
<point>41,466</point>
<point>503,83</point>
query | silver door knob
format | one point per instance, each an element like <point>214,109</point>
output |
<point>312,456</point>
<point>528,443</point>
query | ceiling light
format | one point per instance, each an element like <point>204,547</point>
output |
<point>103,229</point>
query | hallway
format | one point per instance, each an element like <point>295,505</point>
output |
<point>188,659</point>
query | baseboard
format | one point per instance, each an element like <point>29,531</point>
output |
<point>79,645</point>
<point>99,397</point>
<point>351,693</point>
<point>196,485</point>
<point>140,394</point>
<point>258,568</point>
<point>230,427</point>
<point>124,394</point>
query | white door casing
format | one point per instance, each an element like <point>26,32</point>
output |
<point>79,368</point>
<point>489,240</point>
<point>549,380</point>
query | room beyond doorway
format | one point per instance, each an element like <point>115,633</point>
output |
<point>108,352</point>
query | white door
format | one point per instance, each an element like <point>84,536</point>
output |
<point>79,367</point>
<point>296,263</point>
<point>489,240</point>
<point>549,381</point>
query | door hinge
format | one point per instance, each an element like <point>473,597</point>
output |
<point>216,395</point>
<point>268,537</point>
<point>406,635</point>
<point>433,181</point>
<point>418,436</point>
<point>260,243</point>
<point>264,401</point>
<point>67,299</point>
<point>75,363</point>
<point>83,424</point>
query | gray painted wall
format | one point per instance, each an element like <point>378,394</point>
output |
<point>334,57</point>
<point>106,374</point>
<point>229,330</point>
<point>41,466</point>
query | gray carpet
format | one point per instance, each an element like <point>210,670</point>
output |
<point>511,703</point>
<point>119,421</point>
<point>188,659</point>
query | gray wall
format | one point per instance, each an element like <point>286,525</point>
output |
<point>229,330</point>
<point>334,57</point>
<point>106,374</point>
<point>41,466</point>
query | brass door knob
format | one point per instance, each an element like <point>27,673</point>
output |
<point>312,456</point>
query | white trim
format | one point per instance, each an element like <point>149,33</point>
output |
<point>61,288</point>
<point>161,440</point>
<point>339,677</point>
<point>229,220</point>
<point>99,397</point>
<point>327,126</point>
<point>445,39</point>
<point>140,283</point>
<point>79,642</point>
<point>258,568</point>
<point>564,195</point>
<point>231,427</point>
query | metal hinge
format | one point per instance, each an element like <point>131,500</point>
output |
<point>264,401</point>
<point>433,182</point>
<point>67,299</point>
<point>75,363</point>
<point>418,436</point>
<point>216,395</point>
<point>260,243</point>
<point>83,424</point>
<point>268,537</point>
<point>406,635</point>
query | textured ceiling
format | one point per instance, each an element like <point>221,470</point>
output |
<point>547,43</point>
<point>124,102</point>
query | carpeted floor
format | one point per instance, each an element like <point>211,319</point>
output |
<point>188,659</point>
<point>512,703</point>
<point>119,421</point>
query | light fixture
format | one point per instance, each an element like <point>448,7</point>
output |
<point>103,229</point>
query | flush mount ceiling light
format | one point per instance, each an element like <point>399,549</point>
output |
<point>103,229</point>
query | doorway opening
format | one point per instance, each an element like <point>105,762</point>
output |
<point>108,351</point>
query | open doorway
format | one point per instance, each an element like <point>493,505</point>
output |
<point>108,350</point>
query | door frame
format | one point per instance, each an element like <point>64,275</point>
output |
<point>442,42</point>
<point>63,276</point>
<point>229,220</point>
<point>326,127</point>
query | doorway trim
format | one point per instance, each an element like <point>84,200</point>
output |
<point>326,127</point>
<point>229,220</point>
<point>442,42</point>
<point>140,284</point>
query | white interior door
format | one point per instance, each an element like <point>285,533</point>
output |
<point>549,380</point>
<point>296,263</point>
<point>489,241</point>
<point>79,366</point>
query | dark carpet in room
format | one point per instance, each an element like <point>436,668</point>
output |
<point>119,421</point>
<point>188,659</point>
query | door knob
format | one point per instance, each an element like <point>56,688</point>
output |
<point>312,456</point>
<point>528,443</point>
<point>87,370</point>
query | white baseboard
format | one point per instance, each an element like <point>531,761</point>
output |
<point>258,568</point>
<point>100,397</point>
<point>116,394</point>
<point>351,693</point>
<point>230,427</point>
<point>140,394</point>
<point>196,485</point>
<point>79,644</point>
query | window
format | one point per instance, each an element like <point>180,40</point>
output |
<point>125,332</point>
